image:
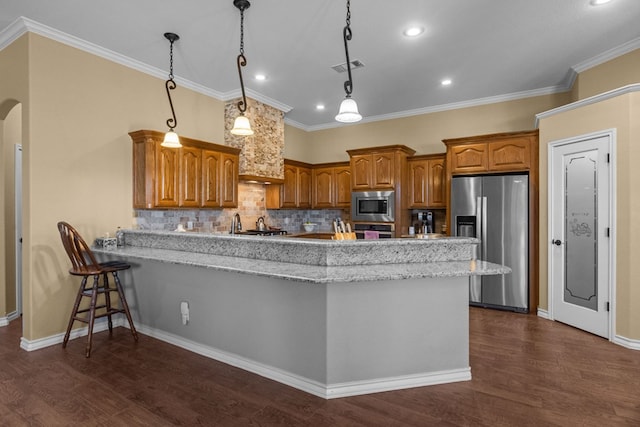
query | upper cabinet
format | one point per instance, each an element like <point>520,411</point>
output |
<point>427,179</point>
<point>331,185</point>
<point>505,152</point>
<point>378,168</point>
<point>199,174</point>
<point>295,192</point>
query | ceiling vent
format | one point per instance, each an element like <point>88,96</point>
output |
<point>342,68</point>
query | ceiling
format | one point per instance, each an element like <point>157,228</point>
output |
<point>492,50</point>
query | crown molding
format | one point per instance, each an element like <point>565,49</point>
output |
<point>608,55</point>
<point>440,108</point>
<point>23,25</point>
<point>237,93</point>
<point>587,101</point>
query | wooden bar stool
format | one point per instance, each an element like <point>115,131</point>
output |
<point>83,263</point>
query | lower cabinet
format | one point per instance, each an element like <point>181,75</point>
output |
<point>199,174</point>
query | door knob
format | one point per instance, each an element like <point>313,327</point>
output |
<point>556,242</point>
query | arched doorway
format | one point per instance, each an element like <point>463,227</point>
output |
<point>11,210</point>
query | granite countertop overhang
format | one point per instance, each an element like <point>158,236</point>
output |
<point>309,260</point>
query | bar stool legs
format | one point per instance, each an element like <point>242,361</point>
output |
<point>92,293</point>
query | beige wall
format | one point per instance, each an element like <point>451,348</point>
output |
<point>78,160</point>
<point>14,89</point>
<point>12,136</point>
<point>621,71</point>
<point>616,113</point>
<point>424,133</point>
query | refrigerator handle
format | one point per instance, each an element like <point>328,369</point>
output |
<point>479,220</point>
<point>484,227</point>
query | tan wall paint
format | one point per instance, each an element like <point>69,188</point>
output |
<point>424,133</point>
<point>79,157</point>
<point>14,89</point>
<point>12,137</point>
<point>614,113</point>
<point>613,74</point>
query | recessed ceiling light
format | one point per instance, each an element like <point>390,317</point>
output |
<point>260,77</point>
<point>413,31</point>
<point>320,107</point>
<point>599,2</point>
<point>446,82</point>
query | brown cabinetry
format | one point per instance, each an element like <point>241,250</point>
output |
<point>199,174</point>
<point>384,168</point>
<point>508,152</point>
<point>331,186</point>
<point>427,179</point>
<point>373,170</point>
<point>497,154</point>
<point>295,191</point>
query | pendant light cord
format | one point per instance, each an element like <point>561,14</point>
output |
<point>169,85</point>
<point>346,35</point>
<point>242,61</point>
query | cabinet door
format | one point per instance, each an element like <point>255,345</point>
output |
<point>436,190</point>
<point>383,170</point>
<point>289,189</point>
<point>361,168</point>
<point>304,188</point>
<point>229,180</point>
<point>342,191</point>
<point>323,186</point>
<point>512,154</point>
<point>418,183</point>
<point>469,158</point>
<point>211,167</point>
<point>190,177</point>
<point>167,177</point>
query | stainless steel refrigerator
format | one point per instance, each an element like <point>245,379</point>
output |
<point>495,209</point>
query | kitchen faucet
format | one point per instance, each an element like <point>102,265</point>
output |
<point>236,225</point>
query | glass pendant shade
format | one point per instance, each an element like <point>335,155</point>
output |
<point>171,140</point>
<point>348,111</point>
<point>242,126</point>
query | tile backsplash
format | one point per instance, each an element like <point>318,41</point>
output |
<point>251,206</point>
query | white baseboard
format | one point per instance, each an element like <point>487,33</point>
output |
<point>4,321</point>
<point>626,342</point>
<point>543,313</point>
<point>99,326</point>
<point>326,391</point>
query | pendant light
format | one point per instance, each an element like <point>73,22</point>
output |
<point>348,112</point>
<point>171,139</point>
<point>241,125</point>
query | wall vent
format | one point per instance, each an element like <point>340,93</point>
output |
<point>342,68</point>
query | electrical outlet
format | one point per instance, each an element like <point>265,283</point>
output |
<point>184,312</point>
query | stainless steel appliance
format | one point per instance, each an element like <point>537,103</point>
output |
<point>372,206</point>
<point>383,231</point>
<point>426,222</point>
<point>495,209</point>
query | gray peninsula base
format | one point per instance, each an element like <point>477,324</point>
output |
<point>330,330</point>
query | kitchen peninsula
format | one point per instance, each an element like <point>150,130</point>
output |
<point>333,318</point>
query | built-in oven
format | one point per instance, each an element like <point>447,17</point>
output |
<point>366,230</point>
<point>372,206</point>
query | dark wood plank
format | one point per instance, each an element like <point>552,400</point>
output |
<point>526,371</point>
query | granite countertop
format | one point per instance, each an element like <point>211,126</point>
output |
<point>310,273</point>
<point>310,260</point>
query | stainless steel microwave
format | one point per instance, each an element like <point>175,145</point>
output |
<point>374,206</point>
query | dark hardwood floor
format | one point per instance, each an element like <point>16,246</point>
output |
<point>526,371</point>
